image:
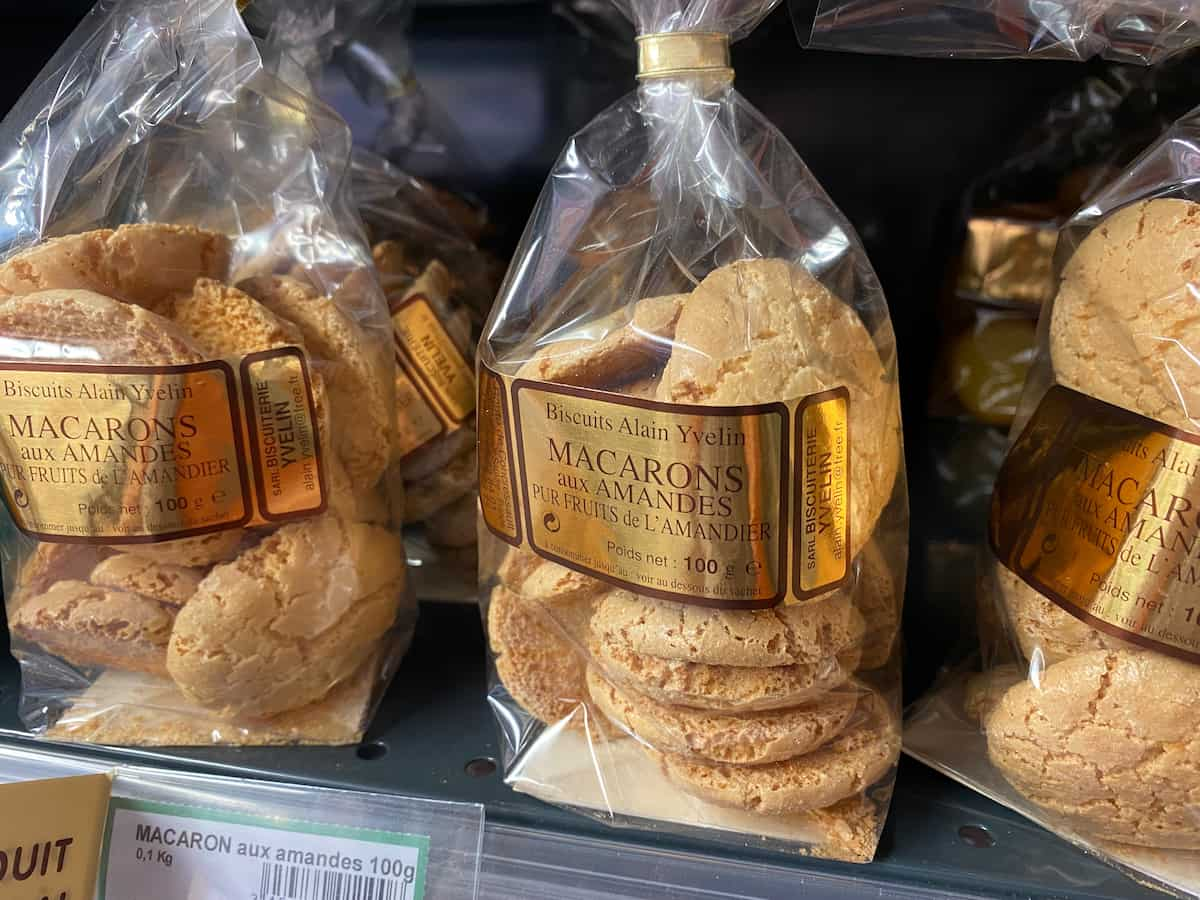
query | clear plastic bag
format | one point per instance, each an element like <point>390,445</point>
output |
<point>362,66</point>
<point>199,410</point>
<point>436,282</point>
<point>689,348</point>
<point>1132,31</point>
<point>1087,698</point>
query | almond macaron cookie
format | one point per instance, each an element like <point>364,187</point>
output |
<point>288,619</point>
<point>851,762</point>
<point>751,738</point>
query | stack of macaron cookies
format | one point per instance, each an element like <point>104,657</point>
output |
<point>1102,731</point>
<point>773,712</point>
<point>243,624</point>
<point>441,475</point>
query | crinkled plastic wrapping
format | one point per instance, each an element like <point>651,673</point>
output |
<point>423,255</point>
<point>363,68</point>
<point>1084,716</point>
<point>168,202</point>
<point>1131,31</point>
<point>682,268</point>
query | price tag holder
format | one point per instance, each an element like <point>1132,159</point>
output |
<point>163,850</point>
<point>50,833</point>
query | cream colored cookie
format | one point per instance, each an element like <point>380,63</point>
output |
<point>454,525</point>
<point>425,497</point>
<point>372,504</point>
<point>145,264</point>
<point>645,388</point>
<point>1123,326</point>
<point>548,582</point>
<point>878,602</point>
<point>541,669</point>
<point>127,710</point>
<point>288,619</point>
<point>94,626</point>
<point>170,585</point>
<point>426,459</point>
<point>202,550</point>
<point>356,371</point>
<point>846,765</point>
<point>762,330</point>
<point>515,566</point>
<point>786,635</point>
<point>985,689</point>
<point>1111,741</point>
<point>748,739</point>
<point>722,688</point>
<point>1041,626</point>
<point>616,350</point>
<point>82,326</point>
<point>50,563</point>
<point>227,322</point>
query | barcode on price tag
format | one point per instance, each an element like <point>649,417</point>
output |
<point>159,851</point>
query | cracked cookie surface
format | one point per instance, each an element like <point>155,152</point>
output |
<point>1124,327</point>
<point>763,330</point>
<point>847,765</point>
<point>786,635</point>
<point>89,625</point>
<point>747,738</point>
<point>1109,740</point>
<point>289,618</point>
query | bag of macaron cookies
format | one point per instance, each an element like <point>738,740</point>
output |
<point>1086,715</point>
<point>201,528</point>
<point>694,514</point>
<point>435,280</point>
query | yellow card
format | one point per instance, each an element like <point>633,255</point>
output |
<point>50,837</point>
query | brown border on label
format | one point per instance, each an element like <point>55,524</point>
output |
<point>235,414</point>
<point>259,476</point>
<point>797,487</point>
<point>414,371</point>
<point>505,425</point>
<point>1079,402</point>
<point>678,409</point>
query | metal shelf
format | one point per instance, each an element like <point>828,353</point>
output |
<point>434,723</point>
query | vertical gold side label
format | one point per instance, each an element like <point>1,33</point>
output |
<point>441,380</point>
<point>416,422</point>
<point>50,840</point>
<point>822,489</point>
<point>281,416</point>
<point>1096,508</point>
<point>497,478</point>
<point>122,452</point>
<point>676,501</point>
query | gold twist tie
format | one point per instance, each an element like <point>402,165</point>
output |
<point>683,53</point>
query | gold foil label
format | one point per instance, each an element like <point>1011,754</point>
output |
<point>1006,259</point>
<point>497,477</point>
<point>822,493</point>
<point>122,453</point>
<point>1096,508</point>
<point>683,502</point>
<point>50,837</point>
<point>416,422</point>
<point>284,440</point>
<point>435,368</point>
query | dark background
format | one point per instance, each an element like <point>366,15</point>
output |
<point>895,142</point>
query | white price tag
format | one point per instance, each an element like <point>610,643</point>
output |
<point>159,851</point>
